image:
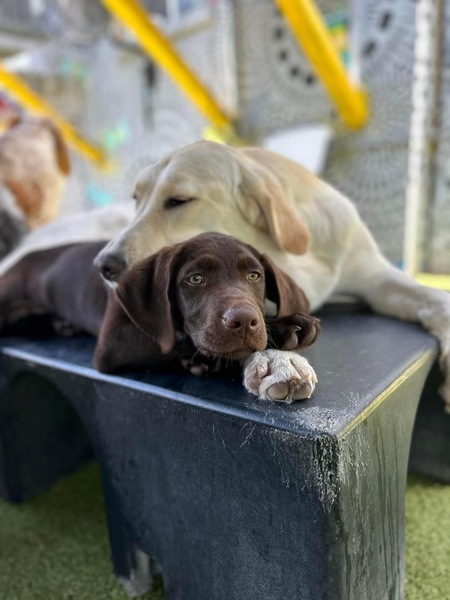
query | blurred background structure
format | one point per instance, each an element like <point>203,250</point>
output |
<point>89,66</point>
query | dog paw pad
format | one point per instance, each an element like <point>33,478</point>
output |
<point>279,376</point>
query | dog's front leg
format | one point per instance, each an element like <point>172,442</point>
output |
<point>279,375</point>
<point>391,292</point>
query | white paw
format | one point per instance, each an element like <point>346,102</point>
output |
<point>279,375</point>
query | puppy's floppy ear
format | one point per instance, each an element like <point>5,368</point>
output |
<point>264,204</point>
<point>144,296</point>
<point>62,153</point>
<point>120,344</point>
<point>283,290</point>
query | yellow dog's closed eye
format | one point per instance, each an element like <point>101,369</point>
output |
<point>174,202</point>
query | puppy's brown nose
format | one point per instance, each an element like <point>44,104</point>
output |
<point>111,266</point>
<point>242,320</point>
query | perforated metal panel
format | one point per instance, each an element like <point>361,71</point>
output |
<point>277,88</point>
<point>371,166</point>
<point>439,240</point>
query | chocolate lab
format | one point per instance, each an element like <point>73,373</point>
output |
<point>197,301</point>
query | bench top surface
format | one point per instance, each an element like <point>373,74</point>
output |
<point>357,357</point>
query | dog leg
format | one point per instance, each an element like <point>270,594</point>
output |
<point>279,375</point>
<point>391,292</point>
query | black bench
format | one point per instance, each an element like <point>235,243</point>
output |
<point>228,497</point>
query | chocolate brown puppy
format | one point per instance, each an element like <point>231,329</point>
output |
<point>196,302</point>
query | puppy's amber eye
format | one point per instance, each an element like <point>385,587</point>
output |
<point>196,279</point>
<point>254,276</point>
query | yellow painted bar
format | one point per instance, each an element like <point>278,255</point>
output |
<point>160,49</point>
<point>32,101</point>
<point>313,36</point>
<point>434,280</point>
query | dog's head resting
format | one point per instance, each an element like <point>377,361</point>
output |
<point>212,288</point>
<point>203,187</point>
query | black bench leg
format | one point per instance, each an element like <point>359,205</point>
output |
<point>430,448</point>
<point>133,567</point>
<point>41,435</point>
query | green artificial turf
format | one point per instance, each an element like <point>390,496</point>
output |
<point>427,540</point>
<point>55,546</point>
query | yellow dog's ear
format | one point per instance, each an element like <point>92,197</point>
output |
<point>263,202</point>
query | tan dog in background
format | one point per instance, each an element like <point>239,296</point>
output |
<point>310,230</point>
<point>34,165</point>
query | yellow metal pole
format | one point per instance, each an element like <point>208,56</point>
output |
<point>160,49</point>
<point>313,36</point>
<point>29,99</point>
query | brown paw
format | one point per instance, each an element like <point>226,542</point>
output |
<point>294,332</point>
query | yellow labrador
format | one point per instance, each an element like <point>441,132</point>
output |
<point>34,166</point>
<point>309,229</point>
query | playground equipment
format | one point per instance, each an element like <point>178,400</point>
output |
<point>161,50</point>
<point>311,32</point>
<point>33,102</point>
<point>314,37</point>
